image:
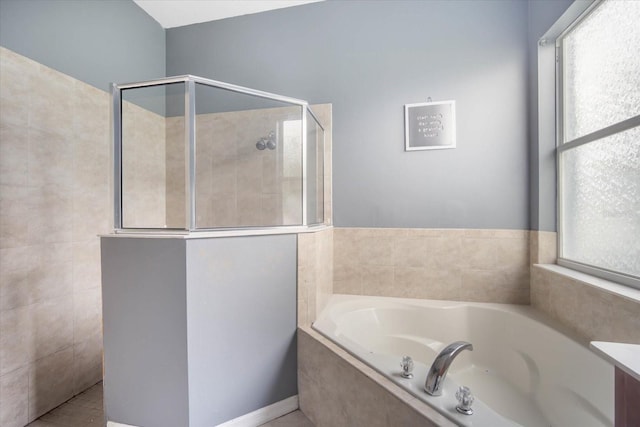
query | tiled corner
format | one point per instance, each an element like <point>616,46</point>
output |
<point>50,382</point>
<point>83,410</point>
<point>543,247</point>
<point>87,357</point>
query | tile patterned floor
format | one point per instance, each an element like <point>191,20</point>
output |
<point>85,410</point>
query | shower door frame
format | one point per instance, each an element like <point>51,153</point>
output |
<point>190,150</point>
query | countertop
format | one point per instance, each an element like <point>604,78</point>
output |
<point>624,356</point>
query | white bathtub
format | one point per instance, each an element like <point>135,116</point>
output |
<point>522,371</point>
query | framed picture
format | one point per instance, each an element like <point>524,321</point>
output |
<point>430,126</point>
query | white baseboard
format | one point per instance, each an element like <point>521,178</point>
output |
<point>252,419</point>
<point>264,415</point>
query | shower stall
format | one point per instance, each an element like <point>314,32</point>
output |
<point>194,154</point>
<point>212,185</point>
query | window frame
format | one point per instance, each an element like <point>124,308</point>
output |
<point>563,147</point>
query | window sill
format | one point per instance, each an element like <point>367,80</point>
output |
<point>603,285</point>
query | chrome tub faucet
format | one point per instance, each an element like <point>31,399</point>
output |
<point>440,366</point>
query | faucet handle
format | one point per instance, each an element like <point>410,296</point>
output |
<point>407,367</point>
<point>465,400</point>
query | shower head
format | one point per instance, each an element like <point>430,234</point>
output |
<point>267,142</point>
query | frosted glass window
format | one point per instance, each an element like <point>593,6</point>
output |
<point>601,63</point>
<point>601,203</point>
<point>599,185</point>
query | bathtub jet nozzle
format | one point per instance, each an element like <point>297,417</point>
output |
<point>438,371</point>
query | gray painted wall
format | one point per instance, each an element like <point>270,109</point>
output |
<point>145,331</point>
<point>369,59</point>
<point>542,15</point>
<point>97,42</point>
<point>241,311</point>
<point>197,332</point>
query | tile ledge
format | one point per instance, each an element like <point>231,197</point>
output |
<point>608,286</point>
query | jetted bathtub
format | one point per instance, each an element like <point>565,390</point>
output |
<point>522,370</point>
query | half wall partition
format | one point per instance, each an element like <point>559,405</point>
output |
<point>194,154</point>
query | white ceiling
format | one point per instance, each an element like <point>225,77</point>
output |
<point>176,13</point>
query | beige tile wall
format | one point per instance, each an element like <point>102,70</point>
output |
<point>175,172</point>
<point>543,247</point>
<point>144,178</point>
<point>467,265</point>
<point>315,273</point>
<point>590,312</point>
<point>237,184</point>
<point>593,314</point>
<point>337,390</point>
<point>54,200</point>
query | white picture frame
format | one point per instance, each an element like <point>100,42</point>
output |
<point>430,125</point>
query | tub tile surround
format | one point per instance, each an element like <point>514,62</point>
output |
<point>315,274</point>
<point>543,247</point>
<point>337,390</point>
<point>451,264</point>
<point>593,314</point>
<point>54,201</point>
